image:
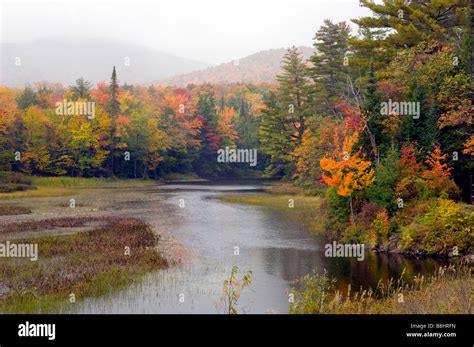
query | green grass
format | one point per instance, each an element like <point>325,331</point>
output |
<point>307,209</point>
<point>87,264</point>
<point>64,181</point>
<point>41,192</point>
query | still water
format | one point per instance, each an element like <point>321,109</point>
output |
<point>274,247</point>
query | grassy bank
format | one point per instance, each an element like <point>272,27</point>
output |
<point>41,192</point>
<point>64,186</point>
<point>64,181</point>
<point>449,291</point>
<point>289,200</point>
<point>85,264</point>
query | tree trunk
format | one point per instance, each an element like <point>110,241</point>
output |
<point>352,210</point>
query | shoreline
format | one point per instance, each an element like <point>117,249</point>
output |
<point>276,196</point>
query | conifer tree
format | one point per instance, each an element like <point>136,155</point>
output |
<point>329,67</point>
<point>286,114</point>
<point>113,108</point>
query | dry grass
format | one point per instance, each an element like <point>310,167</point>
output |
<point>449,291</point>
<point>67,222</point>
<point>13,210</point>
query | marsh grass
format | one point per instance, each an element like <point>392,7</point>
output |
<point>449,291</point>
<point>87,264</point>
<point>67,186</point>
<point>307,209</point>
<point>40,192</point>
<point>64,181</point>
<point>13,210</point>
<point>66,222</point>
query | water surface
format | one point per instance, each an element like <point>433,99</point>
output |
<point>274,247</point>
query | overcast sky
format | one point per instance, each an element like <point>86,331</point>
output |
<point>212,31</point>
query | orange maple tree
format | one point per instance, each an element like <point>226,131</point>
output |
<point>347,171</point>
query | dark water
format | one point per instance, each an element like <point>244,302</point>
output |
<point>276,249</point>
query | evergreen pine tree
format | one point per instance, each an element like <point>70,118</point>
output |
<point>113,108</point>
<point>286,114</point>
<point>329,71</point>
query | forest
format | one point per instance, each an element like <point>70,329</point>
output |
<point>377,121</point>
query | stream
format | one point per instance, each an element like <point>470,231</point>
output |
<point>217,235</point>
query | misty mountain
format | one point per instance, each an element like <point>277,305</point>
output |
<point>262,66</point>
<point>62,60</point>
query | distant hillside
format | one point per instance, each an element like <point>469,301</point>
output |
<point>61,60</point>
<point>259,67</point>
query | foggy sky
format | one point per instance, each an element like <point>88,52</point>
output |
<point>212,31</point>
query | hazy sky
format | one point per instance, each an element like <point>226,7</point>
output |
<point>212,31</point>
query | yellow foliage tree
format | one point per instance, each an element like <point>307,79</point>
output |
<point>225,125</point>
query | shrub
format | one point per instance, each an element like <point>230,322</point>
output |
<point>338,213</point>
<point>14,181</point>
<point>12,187</point>
<point>367,215</point>
<point>356,234</point>
<point>314,292</point>
<point>387,175</point>
<point>14,178</point>
<point>444,226</point>
<point>381,229</point>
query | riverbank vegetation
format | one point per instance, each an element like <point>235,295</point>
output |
<point>305,209</point>
<point>84,264</point>
<point>449,291</point>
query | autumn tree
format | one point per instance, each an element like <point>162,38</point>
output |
<point>347,170</point>
<point>410,184</point>
<point>8,125</point>
<point>225,125</point>
<point>210,140</point>
<point>438,173</point>
<point>37,138</point>
<point>317,141</point>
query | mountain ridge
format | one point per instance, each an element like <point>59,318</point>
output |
<point>259,67</point>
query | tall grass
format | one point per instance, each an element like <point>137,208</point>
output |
<point>86,264</point>
<point>449,291</point>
